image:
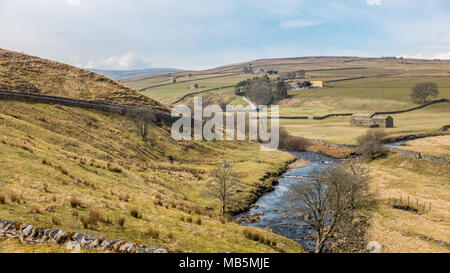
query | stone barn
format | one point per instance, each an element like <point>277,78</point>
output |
<point>371,120</point>
<point>383,121</point>
<point>361,119</point>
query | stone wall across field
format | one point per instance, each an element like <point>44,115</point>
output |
<point>122,109</point>
<point>386,113</point>
<point>422,156</point>
<point>73,240</point>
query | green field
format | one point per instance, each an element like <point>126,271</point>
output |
<point>387,87</point>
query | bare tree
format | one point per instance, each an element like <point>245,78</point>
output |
<point>143,122</point>
<point>370,144</point>
<point>223,185</point>
<point>327,201</point>
<point>420,92</point>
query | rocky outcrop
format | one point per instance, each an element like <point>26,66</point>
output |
<point>73,240</point>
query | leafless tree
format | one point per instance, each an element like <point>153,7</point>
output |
<point>420,92</point>
<point>223,185</point>
<point>143,122</point>
<point>328,200</point>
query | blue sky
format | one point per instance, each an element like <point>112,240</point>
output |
<point>198,34</point>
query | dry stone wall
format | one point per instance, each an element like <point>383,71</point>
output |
<point>423,156</point>
<point>37,235</point>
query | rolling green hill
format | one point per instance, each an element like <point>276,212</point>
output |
<point>354,85</point>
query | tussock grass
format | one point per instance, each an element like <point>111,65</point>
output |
<point>66,140</point>
<point>400,230</point>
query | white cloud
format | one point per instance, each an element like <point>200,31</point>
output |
<point>432,56</point>
<point>73,2</point>
<point>373,2</point>
<point>130,60</point>
<point>298,23</point>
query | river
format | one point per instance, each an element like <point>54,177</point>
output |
<point>272,207</point>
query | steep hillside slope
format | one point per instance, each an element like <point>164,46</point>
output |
<point>21,72</point>
<point>54,157</point>
<point>86,170</point>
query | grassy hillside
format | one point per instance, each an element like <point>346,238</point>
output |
<point>20,72</point>
<point>53,155</point>
<point>398,230</point>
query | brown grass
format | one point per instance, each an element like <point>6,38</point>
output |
<point>74,202</point>
<point>402,231</point>
<point>135,213</point>
<point>152,233</point>
<point>25,73</point>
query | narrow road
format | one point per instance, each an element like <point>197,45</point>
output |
<point>250,103</point>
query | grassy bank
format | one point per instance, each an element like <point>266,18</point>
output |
<point>399,230</point>
<point>52,155</point>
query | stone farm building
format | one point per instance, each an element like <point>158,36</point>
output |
<point>371,120</point>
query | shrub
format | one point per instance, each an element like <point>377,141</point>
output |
<point>85,221</point>
<point>74,202</point>
<point>121,221</point>
<point>157,202</point>
<point>152,233</point>
<point>198,221</point>
<point>92,219</point>
<point>290,142</point>
<point>135,213</point>
<point>75,213</point>
<point>170,236</point>
<point>370,144</point>
<point>2,199</point>
<point>258,237</point>
<point>95,216</point>
<point>189,219</point>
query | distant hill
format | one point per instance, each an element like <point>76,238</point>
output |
<point>125,74</point>
<point>25,73</point>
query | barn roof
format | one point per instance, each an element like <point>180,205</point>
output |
<point>381,117</point>
<point>362,115</point>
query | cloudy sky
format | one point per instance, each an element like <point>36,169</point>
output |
<point>197,34</point>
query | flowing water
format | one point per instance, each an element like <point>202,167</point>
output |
<point>274,204</point>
